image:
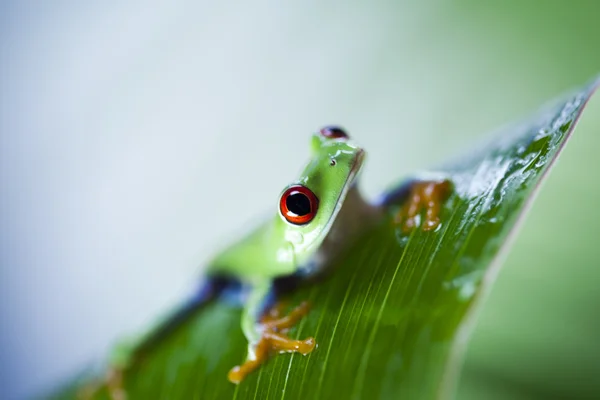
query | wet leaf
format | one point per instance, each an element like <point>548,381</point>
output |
<point>393,318</point>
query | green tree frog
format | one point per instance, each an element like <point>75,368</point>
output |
<point>315,217</point>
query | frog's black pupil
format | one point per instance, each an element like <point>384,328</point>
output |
<point>298,203</point>
<point>337,131</point>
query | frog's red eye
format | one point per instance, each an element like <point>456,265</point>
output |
<point>334,132</point>
<point>298,205</point>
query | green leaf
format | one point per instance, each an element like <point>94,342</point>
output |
<point>392,319</point>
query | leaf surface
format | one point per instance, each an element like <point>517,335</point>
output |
<point>393,318</point>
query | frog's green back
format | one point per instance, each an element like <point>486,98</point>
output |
<point>263,253</point>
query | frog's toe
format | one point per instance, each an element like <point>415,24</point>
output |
<point>406,223</point>
<point>283,344</point>
<point>115,385</point>
<point>431,223</point>
<point>274,339</point>
<point>307,345</point>
<point>239,372</point>
<point>287,321</point>
<point>112,382</point>
<point>426,198</point>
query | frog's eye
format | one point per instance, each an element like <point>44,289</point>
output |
<point>298,205</point>
<point>334,132</point>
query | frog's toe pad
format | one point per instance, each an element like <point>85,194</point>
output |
<point>237,374</point>
<point>283,344</point>
<point>307,345</point>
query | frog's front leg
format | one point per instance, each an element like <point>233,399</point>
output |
<point>424,197</point>
<point>266,331</point>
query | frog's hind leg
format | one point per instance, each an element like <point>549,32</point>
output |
<point>418,197</point>
<point>266,331</point>
<point>425,197</point>
<point>127,354</point>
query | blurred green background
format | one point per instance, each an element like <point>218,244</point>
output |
<point>131,132</point>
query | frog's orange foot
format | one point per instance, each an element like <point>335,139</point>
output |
<point>112,381</point>
<point>426,197</point>
<point>275,339</point>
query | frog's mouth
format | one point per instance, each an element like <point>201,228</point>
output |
<point>356,166</point>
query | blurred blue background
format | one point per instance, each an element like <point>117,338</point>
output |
<point>129,133</point>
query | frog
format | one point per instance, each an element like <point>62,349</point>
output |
<point>316,217</point>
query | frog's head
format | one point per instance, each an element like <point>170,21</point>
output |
<point>309,206</point>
